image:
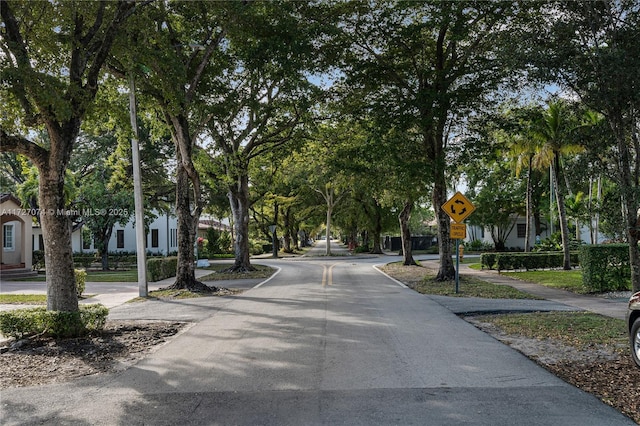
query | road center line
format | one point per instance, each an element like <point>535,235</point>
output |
<point>327,275</point>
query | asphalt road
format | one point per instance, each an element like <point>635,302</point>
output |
<point>326,341</point>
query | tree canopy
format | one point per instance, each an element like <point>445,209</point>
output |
<point>338,114</point>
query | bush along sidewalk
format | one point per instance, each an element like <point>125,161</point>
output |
<point>527,261</point>
<point>605,267</point>
<point>22,323</point>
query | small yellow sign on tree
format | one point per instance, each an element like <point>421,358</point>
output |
<point>458,207</point>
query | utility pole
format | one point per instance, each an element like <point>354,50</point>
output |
<point>137,192</point>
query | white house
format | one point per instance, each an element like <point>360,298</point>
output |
<point>516,238</point>
<point>162,237</point>
<point>15,238</point>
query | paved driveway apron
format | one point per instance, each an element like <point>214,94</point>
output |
<point>325,342</point>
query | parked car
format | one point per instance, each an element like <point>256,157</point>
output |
<point>633,321</point>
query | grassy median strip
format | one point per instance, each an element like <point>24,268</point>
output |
<point>470,287</point>
<point>23,299</point>
<point>219,272</point>
<point>422,280</point>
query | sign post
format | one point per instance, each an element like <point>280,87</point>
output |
<point>458,208</point>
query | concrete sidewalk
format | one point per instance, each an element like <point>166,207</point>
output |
<point>611,307</point>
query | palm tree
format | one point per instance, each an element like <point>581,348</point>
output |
<point>523,148</point>
<point>576,210</point>
<point>553,132</point>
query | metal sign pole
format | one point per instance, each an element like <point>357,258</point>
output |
<point>457,267</point>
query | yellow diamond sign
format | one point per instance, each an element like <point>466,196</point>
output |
<point>458,207</point>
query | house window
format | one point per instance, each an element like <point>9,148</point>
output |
<point>154,238</point>
<point>7,237</point>
<point>522,230</point>
<point>173,238</point>
<point>120,238</point>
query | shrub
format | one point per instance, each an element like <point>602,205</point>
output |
<point>362,249</point>
<point>488,260</point>
<point>478,245</point>
<point>25,322</point>
<point>38,259</point>
<point>161,268</point>
<point>81,278</point>
<point>554,243</point>
<point>605,267</point>
<point>528,261</point>
<point>84,259</point>
<point>122,258</point>
<point>256,247</point>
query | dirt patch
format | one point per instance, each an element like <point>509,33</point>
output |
<point>42,360</point>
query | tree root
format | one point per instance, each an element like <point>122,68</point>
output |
<point>239,269</point>
<point>192,285</point>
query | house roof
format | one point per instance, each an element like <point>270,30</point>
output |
<point>209,223</point>
<point>4,197</point>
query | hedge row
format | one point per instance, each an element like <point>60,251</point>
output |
<point>26,322</point>
<point>86,259</point>
<point>159,268</point>
<point>528,261</point>
<point>605,267</point>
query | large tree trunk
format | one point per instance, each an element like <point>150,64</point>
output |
<point>377,231</point>
<point>239,201</point>
<point>188,207</point>
<point>447,271</point>
<point>287,231</point>
<point>187,228</point>
<point>104,237</point>
<point>329,199</point>
<point>405,233</point>
<point>629,193</point>
<point>56,233</point>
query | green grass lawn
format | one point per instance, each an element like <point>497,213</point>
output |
<point>23,299</point>
<point>557,278</point>
<point>129,276</point>
<point>470,287</point>
<point>218,272</point>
